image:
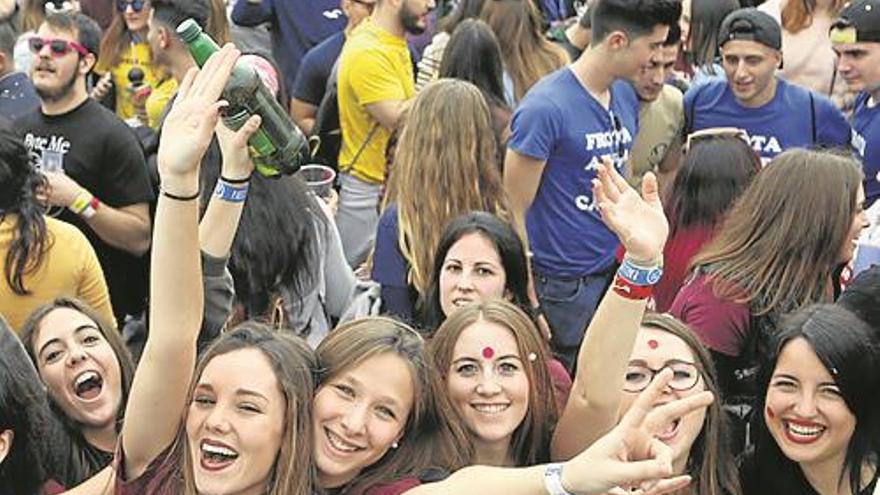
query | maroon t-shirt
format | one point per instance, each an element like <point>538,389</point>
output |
<point>680,249</point>
<point>722,325</point>
<point>397,488</point>
<point>162,476</point>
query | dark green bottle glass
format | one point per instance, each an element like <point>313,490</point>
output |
<point>278,147</point>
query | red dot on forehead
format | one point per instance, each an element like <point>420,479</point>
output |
<point>488,352</point>
<point>653,344</point>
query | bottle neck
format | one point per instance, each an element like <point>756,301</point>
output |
<point>201,48</point>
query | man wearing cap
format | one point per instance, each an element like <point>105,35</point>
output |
<point>775,114</point>
<point>855,37</point>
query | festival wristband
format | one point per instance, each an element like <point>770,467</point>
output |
<point>627,290</point>
<point>639,275</point>
<point>231,193</point>
<point>85,205</point>
<point>553,480</point>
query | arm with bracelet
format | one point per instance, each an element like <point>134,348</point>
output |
<point>639,222</point>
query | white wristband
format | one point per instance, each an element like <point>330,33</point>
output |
<point>553,480</point>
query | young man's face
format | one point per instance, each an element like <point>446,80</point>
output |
<point>414,15</point>
<point>55,75</point>
<point>639,52</point>
<point>651,78</point>
<point>750,68</point>
<point>859,65</point>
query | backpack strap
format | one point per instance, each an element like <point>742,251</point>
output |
<point>813,116</point>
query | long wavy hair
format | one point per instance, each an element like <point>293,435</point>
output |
<point>19,182</point>
<point>530,442</point>
<point>797,15</point>
<point>844,345</point>
<point>82,461</point>
<point>474,55</point>
<point>528,55</point>
<point>780,243</point>
<point>507,244</point>
<point>116,38</point>
<point>447,142</point>
<point>294,365</point>
<point>711,463</point>
<point>431,437</point>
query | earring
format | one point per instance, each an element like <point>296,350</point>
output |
<point>394,445</point>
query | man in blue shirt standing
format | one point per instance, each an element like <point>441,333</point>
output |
<point>776,115</point>
<point>856,39</point>
<point>566,125</point>
<point>297,25</point>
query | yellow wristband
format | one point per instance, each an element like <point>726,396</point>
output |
<point>81,202</point>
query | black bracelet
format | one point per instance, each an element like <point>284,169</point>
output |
<point>181,198</point>
<point>235,181</point>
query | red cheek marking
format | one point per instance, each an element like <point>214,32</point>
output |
<point>653,344</point>
<point>488,352</point>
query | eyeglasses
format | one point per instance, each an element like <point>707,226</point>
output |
<point>714,132</point>
<point>685,376</point>
<point>136,5</point>
<point>367,5</point>
<point>618,137</point>
<point>58,47</point>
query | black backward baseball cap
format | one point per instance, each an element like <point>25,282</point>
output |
<point>858,22</point>
<point>751,24</point>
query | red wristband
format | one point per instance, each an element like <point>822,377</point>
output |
<point>626,289</point>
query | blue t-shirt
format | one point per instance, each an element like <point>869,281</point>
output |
<point>17,95</point>
<point>311,81</point>
<point>560,122</point>
<point>785,122</point>
<point>866,142</point>
<point>297,25</point>
<point>390,269</point>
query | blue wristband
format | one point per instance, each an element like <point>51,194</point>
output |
<point>230,193</point>
<point>553,480</point>
<point>639,275</point>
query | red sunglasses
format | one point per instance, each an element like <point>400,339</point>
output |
<point>58,47</point>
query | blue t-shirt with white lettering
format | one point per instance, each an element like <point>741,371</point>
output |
<point>560,122</point>
<point>866,142</point>
<point>785,122</point>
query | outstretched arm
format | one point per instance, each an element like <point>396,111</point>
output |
<point>592,408</point>
<point>159,391</point>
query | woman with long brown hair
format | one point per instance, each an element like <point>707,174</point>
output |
<point>448,143</point>
<point>777,251</point>
<point>527,54</point>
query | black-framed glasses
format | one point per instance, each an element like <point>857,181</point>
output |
<point>685,376</point>
<point>136,5</point>
<point>57,47</point>
<point>367,5</point>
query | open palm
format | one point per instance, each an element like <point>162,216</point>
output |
<point>638,220</point>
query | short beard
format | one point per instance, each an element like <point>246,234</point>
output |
<point>55,95</point>
<point>410,21</point>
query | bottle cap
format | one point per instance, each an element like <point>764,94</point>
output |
<point>189,30</point>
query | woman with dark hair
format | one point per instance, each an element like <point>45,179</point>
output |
<point>862,296</point>
<point>43,258</point>
<point>87,371</point>
<point>817,433</point>
<point>435,53</point>
<point>769,258</point>
<point>24,420</point>
<point>700,23</point>
<point>715,170</point>
<point>473,55</point>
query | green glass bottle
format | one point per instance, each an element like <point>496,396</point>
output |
<point>278,147</point>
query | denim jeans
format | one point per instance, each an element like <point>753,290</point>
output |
<point>357,217</point>
<point>569,305</point>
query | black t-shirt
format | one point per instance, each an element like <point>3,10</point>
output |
<point>316,67</point>
<point>101,153</point>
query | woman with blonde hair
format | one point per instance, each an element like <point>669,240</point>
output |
<point>527,54</point>
<point>770,257</point>
<point>448,143</point>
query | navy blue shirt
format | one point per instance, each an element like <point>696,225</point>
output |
<point>311,81</point>
<point>561,123</point>
<point>784,122</point>
<point>297,25</point>
<point>17,95</point>
<point>866,142</point>
<point>391,269</point>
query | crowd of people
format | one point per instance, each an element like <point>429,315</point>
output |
<point>571,247</point>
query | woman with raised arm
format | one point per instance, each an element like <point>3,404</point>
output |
<point>622,353</point>
<point>234,423</point>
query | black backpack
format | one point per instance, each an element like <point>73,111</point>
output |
<point>326,135</point>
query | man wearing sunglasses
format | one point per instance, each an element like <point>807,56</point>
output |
<point>567,124</point>
<point>775,114</point>
<point>855,38</point>
<point>296,25</point>
<point>93,163</point>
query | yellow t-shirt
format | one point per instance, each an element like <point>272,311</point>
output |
<point>69,268</point>
<point>374,66</point>
<point>134,55</point>
<point>157,100</point>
